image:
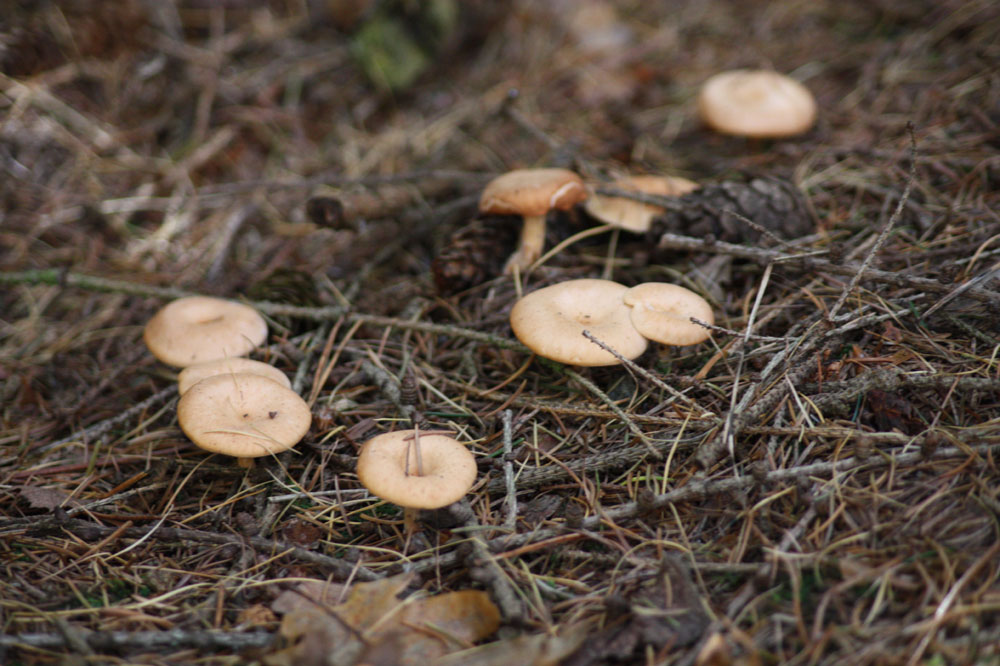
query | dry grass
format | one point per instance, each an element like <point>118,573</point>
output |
<point>826,468</point>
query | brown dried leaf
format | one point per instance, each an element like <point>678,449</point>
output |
<point>537,650</point>
<point>45,498</point>
<point>316,638</point>
<point>307,595</point>
<point>434,626</point>
<point>375,626</point>
<point>369,603</point>
<point>257,615</point>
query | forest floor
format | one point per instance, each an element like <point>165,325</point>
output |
<point>816,484</point>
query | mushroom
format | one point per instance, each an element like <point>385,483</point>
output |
<point>632,215</point>
<point>416,470</point>
<point>531,193</point>
<point>663,312</point>
<point>756,103</point>
<point>193,374</point>
<point>243,415</point>
<point>196,329</point>
<point>551,322</point>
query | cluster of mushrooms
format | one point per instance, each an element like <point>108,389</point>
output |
<point>231,405</point>
<point>246,409</point>
<point>551,321</point>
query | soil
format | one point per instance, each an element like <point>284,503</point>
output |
<point>818,483</point>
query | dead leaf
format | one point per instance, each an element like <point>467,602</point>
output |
<point>432,627</point>
<point>375,626</point>
<point>307,595</point>
<point>536,650</point>
<point>368,603</point>
<point>316,638</point>
<point>257,615</point>
<point>46,498</point>
<point>661,611</point>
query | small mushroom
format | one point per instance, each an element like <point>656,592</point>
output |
<point>663,312</point>
<point>551,322</point>
<point>193,374</point>
<point>196,329</point>
<point>631,215</point>
<point>531,193</point>
<point>243,415</point>
<point>757,104</point>
<point>416,470</point>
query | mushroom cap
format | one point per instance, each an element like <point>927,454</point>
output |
<point>631,215</point>
<point>193,374</point>
<point>662,312</point>
<point>196,329</point>
<point>551,321</point>
<point>756,103</point>
<point>449,469</point>
<point>243,415</point>
<point>532,192</point>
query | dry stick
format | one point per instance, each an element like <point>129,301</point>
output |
<point>538,477</point>
<point>88,530</point>
<point>511,608</point>
<point>831,316</point>
<point>510,502</point>
<point>809,261</point>
<point>770,569</point>
<point>765,399</point>
<point>102,427</point>
<point>962,288</point>
<point>728,434</point>
<point>619,412</point>
<point>171,639</point>
<point>699,489</point>
<point>646,374</point>
<point>230,228</point>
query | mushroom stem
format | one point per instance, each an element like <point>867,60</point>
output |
<point>245,463</point>
<point>409,521</point>
<point>530,246</point>
<point>415,443</point>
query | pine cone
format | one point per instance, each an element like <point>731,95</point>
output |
<point>475,253</point>
<point>776,205</point>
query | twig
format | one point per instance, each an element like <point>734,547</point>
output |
<point>103,427</point>
<point>172,639</point>
<point>619,412</point>
<point>646,374</point>
<point>340,567</point>
<point>510,502</point>
<point>699,489</point>
<point>809,261</point>
<point>880,241</point>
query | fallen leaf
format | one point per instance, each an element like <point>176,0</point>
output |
<point>374,626</point>
<point>434,626</point>
<point>536,650</point>
<point>257,615</point>
<point>662,611</point>
<point>45,498</point>
<point>308,594</point>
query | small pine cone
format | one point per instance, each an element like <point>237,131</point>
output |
<point>475,253</point>
<point>773,204</point>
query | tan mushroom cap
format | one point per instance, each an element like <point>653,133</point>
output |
<point>243,415</point>
<point>531,192</point>
<point>551,322</point>
<point>197,329</point>
<point>631,215</point>
<point>756,103</point>
<point>193,374</point>
<point>662,312</point>
<point>449,469</point>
